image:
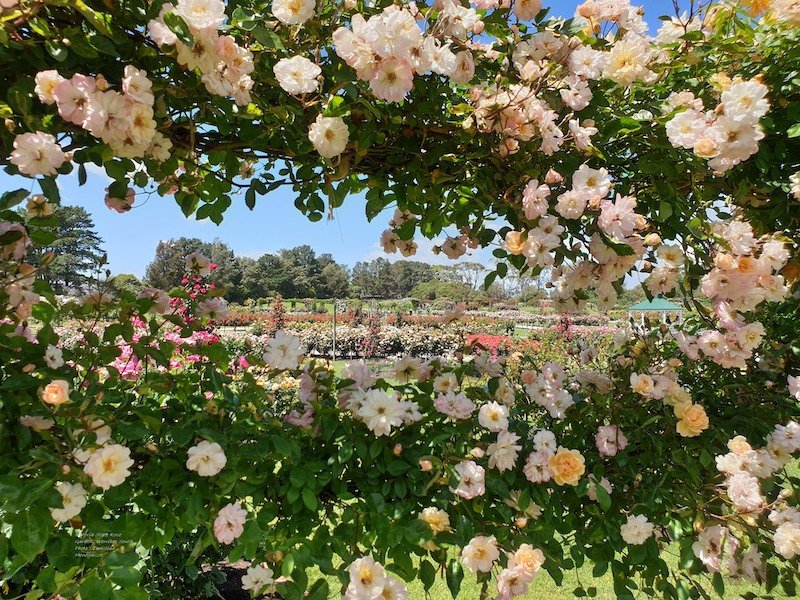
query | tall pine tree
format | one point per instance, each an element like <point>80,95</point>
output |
<point>78,251</point>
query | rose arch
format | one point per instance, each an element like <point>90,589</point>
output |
<point>588,148</point>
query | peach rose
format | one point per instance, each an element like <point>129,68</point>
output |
<point>56,392</point>
<point>528,558</point>
<point>516,242</point>
<point>739,445</point>
<point>706,148</point>
<point>693,420</point>
<point>567,466</point>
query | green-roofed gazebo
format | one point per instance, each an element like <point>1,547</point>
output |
<point>666,309</point>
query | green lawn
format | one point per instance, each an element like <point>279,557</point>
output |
<point>543,587</point>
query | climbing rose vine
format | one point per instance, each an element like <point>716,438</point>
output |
<point>588,148</point>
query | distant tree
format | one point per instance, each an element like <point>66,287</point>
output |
<point>167,268</point>
<point>380,278</point>
<point>241,292</point>
<point>368,278</point>
<point>263,276</point>
<point>469,273</point>
<point>631,296</point>
<point>302,269</point>
<point>125,282</point>
<point>78,251</point>
<point>405,274</point>
<point>228,273</point>
<point>450,290</point>
<point>333,281</point>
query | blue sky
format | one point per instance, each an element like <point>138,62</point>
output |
<point>131,238</point>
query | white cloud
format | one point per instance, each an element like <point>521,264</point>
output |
<point>98,173</point>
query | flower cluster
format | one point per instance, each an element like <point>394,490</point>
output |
<point>692,418</point>
<point>617,221</point>
<point>123,119</point>
<point>391,241</point>
<point>726,135</point>
<point>389,48</point>
<point>368,579</point>
<point>745,274</point>
<point>224,65</point>
<point>546,389</point>
<point>481,554</point>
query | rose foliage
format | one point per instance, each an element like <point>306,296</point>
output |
<point>587,147</point>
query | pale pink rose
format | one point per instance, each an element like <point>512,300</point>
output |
<point>229,524</point>
<point>471,480</point>
<point>36,423</point>
<point>537,467</point>
<point>618,219</point>
<point>73,97</point>
<point>157,29</point>
<point>392,80</point>
<point>37,154</point>
<point>744,492</point>
<point>609,440</point>
<point>794,387</point>
<point>121,205</point>
<point>201,14</point>
<point>710,545</point>
<point>464,69</point>
<point>46,82</point>
<point>137,86</point>
<point>553,177</point>
<point>14,250</point>
<point>304,420</point>
<point>480,554</point>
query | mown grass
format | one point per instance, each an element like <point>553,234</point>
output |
<point>544,588</point>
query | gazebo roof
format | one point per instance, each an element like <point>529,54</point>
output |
<point>656,304</point>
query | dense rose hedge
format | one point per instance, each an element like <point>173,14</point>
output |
<point>584,148</point>
<point>479,320</point>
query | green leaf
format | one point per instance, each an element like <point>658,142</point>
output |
<point>454,576</point>
<point>30,531</point>
<point>12,199</point>
<point>99,21</point>
<point>95,588</point>
<point>603,498</point>
<point>664,210</point>
<point>719,585</point>
<point>309,499</point>
<point>793,131</point>
<point>126,576</point>
<point>374,204</point>
<point>179,27</point>
<point>50,189</point>
<point>621,248</point>
<point>319,591</point>
<point>600,569</point>
<point>427,574</point>
<point>268,38</point>
<point>43,311</point>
